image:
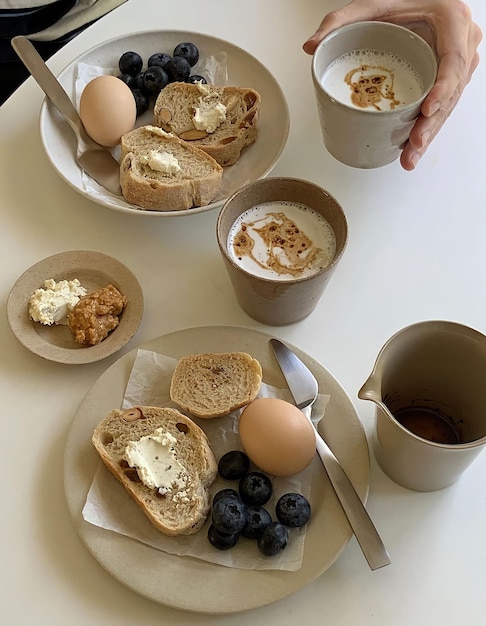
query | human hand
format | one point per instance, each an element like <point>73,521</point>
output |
<point>448,26</point>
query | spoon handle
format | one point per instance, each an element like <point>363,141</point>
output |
<point>49,84</point>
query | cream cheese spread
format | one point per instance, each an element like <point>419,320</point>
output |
<point>51,304</point>
<point>161,161</point>
<point>209,114</point>
<point>156,463</point>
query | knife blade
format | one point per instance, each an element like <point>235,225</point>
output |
<point>94,159</point>
<point>304,389</point>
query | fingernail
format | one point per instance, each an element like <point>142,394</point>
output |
<point>434,108</point>
<point>415,158</point>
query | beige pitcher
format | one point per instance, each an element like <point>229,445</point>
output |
<point>428,385</point>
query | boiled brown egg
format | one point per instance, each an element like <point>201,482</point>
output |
<point>277,436</point>
<point>107,109</point>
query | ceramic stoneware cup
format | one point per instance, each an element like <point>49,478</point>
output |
<point>370,79</point>
<point>281,240</point>
<point>428,387</point>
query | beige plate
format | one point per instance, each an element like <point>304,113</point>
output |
<point>190,584</point>
<point>94,270</point>
<point>244,70</point>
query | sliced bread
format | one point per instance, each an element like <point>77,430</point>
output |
<point>219,120</point>
<point>161,172</point>
<point>214,384</point>
<point>179,506</point>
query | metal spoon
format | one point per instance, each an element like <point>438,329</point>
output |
<point>94,159</point>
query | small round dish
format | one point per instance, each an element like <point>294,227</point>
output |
<point>243,70</point>
<point>94,270</point>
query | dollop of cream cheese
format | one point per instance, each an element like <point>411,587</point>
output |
<point>154,458</point>
<point>161,161</point>
<point>209,114</point>
<point>52,303</point>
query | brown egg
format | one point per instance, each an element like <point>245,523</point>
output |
<point>107,109</point>
<point>277,436</point>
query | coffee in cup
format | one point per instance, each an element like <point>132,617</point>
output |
<point>372,80</point>
<point>281,240</point>
<point>430,421</point>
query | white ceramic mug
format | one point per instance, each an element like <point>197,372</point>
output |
<point>400,68</point>
<point>433,371</point>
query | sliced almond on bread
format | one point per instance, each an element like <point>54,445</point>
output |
<point>214,384</point>
<point>175,108</point>
<point>178,511</point>
<point>192,178</point>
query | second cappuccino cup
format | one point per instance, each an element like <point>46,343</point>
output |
<point>370,79</point>
<point>281,240</point>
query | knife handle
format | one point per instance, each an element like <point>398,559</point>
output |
<point>358,518</point>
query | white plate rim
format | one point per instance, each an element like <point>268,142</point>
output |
<point>48,114</point>
<point>195,585</point>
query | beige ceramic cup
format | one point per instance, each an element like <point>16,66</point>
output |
<point>435,370</point>
<point>368,138</point>
<point>280,302</point>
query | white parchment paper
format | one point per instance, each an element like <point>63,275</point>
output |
<point>108,505</point>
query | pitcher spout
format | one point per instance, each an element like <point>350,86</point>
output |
<point>371,389</point>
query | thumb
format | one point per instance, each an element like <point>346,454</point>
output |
<point>355,11</point>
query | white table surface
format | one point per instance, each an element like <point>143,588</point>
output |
<point>416,251</point>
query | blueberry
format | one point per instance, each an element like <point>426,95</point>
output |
<point>155,79</point>
<point>187,51</point>
<point>229,515</point>
<point>137,81</point>
<point>141,101</point>
<point>258,519</point>
<point>273,539</point>
<point>255,488</point>
<point>222,541</point>
<point>233,465</point>
<point>127,79</point>
<point>196,78</point>
<point>293,509</point>
<point>178,69</point>
<point>225,493</point>
<point>130,63</point>
<point>159,58</point>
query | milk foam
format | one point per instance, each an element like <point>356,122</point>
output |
<point>281,241</point>
<point>395,72</point>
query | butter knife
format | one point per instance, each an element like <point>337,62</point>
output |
<point>94,159</point>
<point>304,389</point>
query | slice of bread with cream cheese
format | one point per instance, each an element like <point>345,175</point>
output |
<point>222,121</point>
<point>161,172</point>
<point>164,461</point>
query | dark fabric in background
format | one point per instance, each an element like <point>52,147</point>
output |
<point>12,23</point>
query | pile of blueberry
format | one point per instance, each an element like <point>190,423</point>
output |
<point>240,513</point>
<point>162,69</point>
